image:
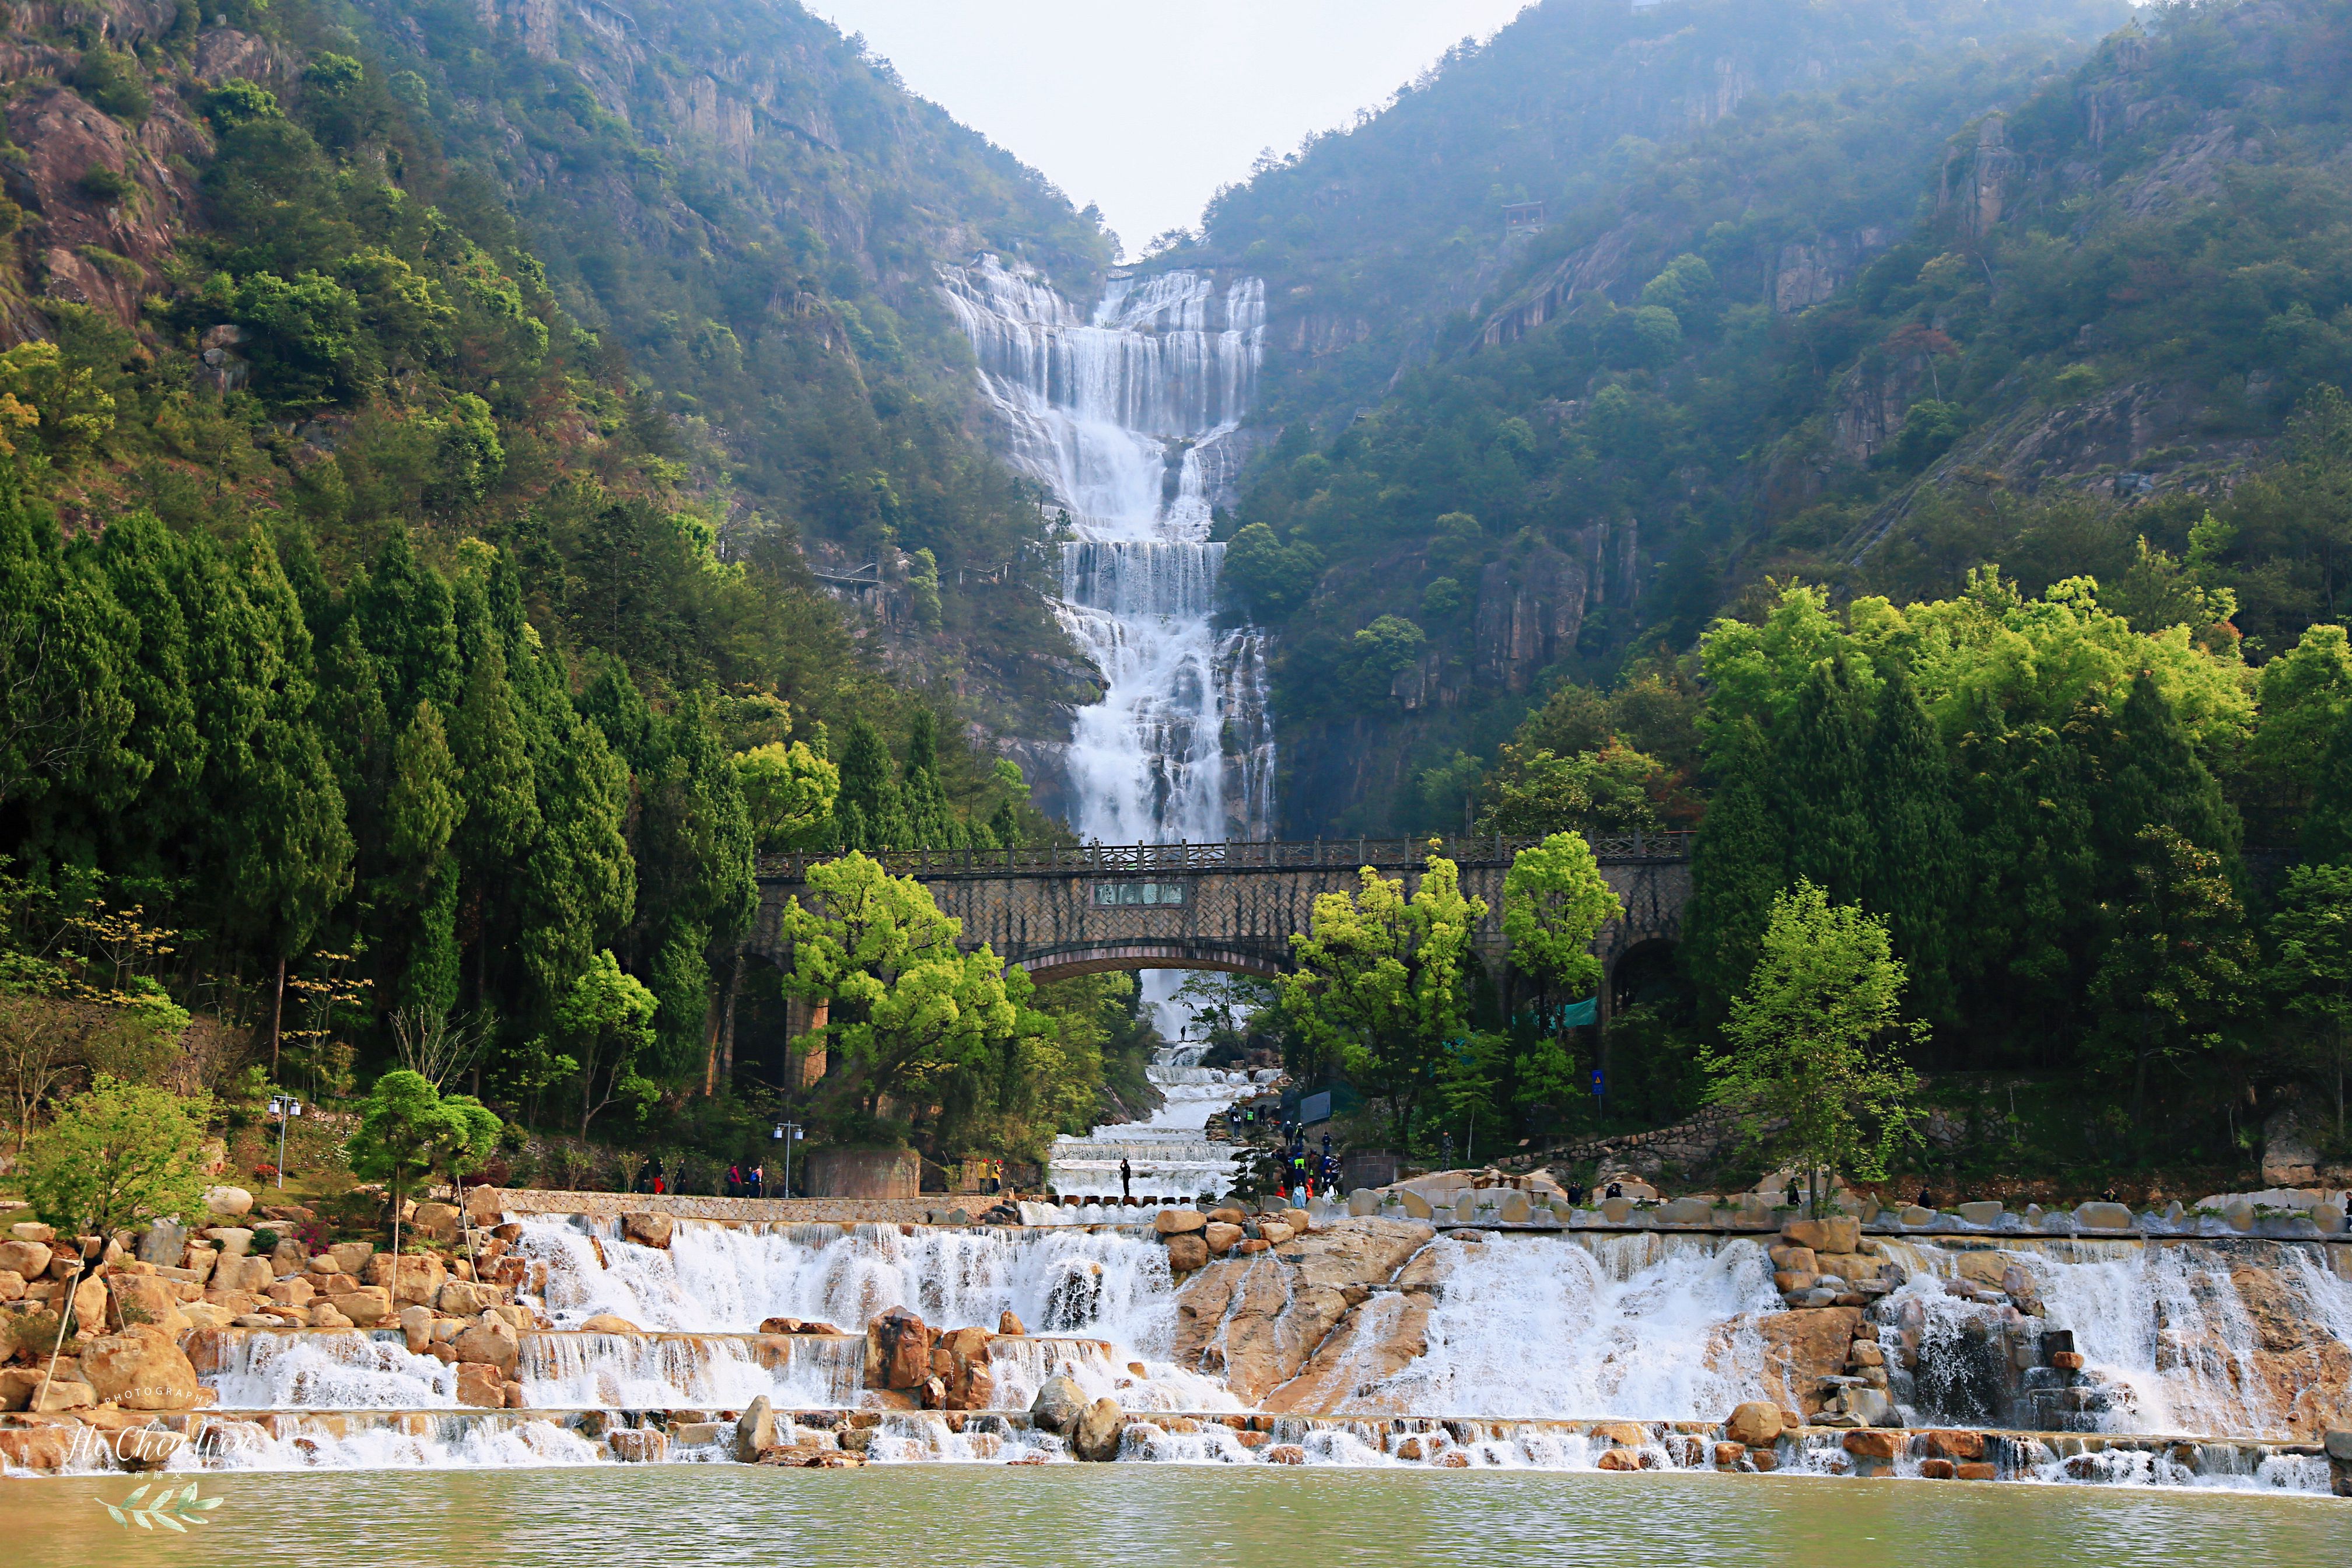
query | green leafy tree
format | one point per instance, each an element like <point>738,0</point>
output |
<point>905,1005</point>
<point>1378,989</point>
<point>1737,867</point>
<point>408,1130</point>
<point>603,1026</point>
<point>1609,790</point>
<point>2310,971</point>
<point>117,1154</point>
<point>789,790</point>
<point>1555,901</point>
<point>1812,1055</point>
<point>2179,968</point>
<point>1916,875</point>
<point>871,813</point>
<point>422,812</point>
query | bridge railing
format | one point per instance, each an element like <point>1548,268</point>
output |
<point>1262,854</point>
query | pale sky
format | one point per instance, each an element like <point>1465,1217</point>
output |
<point>1145,106</point>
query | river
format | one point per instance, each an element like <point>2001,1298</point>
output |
<point>928,1516</point>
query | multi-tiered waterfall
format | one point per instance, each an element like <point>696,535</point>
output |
<point>1131,418</point>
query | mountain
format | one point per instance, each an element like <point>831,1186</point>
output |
<point>1967,284</point>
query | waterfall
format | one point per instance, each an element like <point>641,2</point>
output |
<point>1168,1154</point>
<point>1132,419</point>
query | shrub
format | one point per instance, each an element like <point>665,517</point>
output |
<point>101,184</point>
<point>117,1154</point>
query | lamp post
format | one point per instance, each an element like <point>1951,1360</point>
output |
<point>787,1133</point>
<point>284,1107</point>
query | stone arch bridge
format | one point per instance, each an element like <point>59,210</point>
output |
<point>1062,911</point>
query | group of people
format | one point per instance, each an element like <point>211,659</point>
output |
<point>746,1184</point>
<point>1306,1174</point>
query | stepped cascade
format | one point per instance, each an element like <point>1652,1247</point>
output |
<point>1168,1154</point>
<point>1130,417</point>
<point>1537,1340</point>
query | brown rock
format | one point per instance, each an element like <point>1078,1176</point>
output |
<point>1179,1222</point>
<point>613,1323</point>
<point>1221,1237</point>
<point>1259,1324</point>
<point>1286,1454</point>
<point>1879,1446</point>
<point>898,1350</point>
<point>420,1276</point>
<point>49,1451</point>
<point>144,1299</point>
<point>1728,1454</point>
<point>1006,1323</point>
<point>29,1258</point>
<point>1788,1281</point>
<point>294,1292</point>
<point>481,1386</point>
<point>1273,1232</point>
<point>1795,1259</point>
<point>1935,1469</point>
<point>1187,1253</point>
<point>1755,1424</point>
<point>438,1221</point>
<point>638,1445</point>
<point>1802,1347</point>
<point>1824,1235</point>
<point>490,1339</point>
<point>1227,1216</point>
<point>365,1305</point>
<point>2067,1361</point>
<point>516,1399</point>
<point>1956,1445</point>
<point>647,1229</point>
<point>142,1368</point>
<point>12,1285</point>
<point>1976,1473</point>
<point>1255,1243</point>
<point>1097,1432</point>
<point>1865,1353</point>
<point>1618,1459</point>
<point>351,1257</point>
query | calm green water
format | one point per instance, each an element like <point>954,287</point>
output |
<point>1145,1514</point>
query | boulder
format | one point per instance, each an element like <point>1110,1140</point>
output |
<point>1945,1444</point>
<point>1871,1408</point>
<point>1617,1211</point>
<point>1915,1218</point>
<point>29,1260</point>
<point>1794,1259</point>
<point>490,1339</point>
<point>1274,1232</point>
<point>142,1368</point>
<point>144,1299</point>
<point>1824,1235</point>
<point>2103,1217</point>
<point>351,1257</point>
<point>250,1275</point>
<point>1006,1323</point>
<point>460,1299</point>
<point>638,1445</point>
<point>228,1202</point>
<point>293,1291</point>
<point>33,1230</point>
<point>1618,1459</point>
<point>1220,1237</point>
<point>647,1229</point>
<point>46,1450</point>
<point>1363,1202</point>
<point>1297,1220</point>
<point>162,1242</point>
<point>142,1448</point>
<point>1179,1222</point>
<point>613,1323</point>
<point>754,1429</point>
<point>1227,1216</point>
<point>1095,1437</point>
<point>88,1301</point>
<point>234,1240</point>
<point>1756,1423</point>
<point>1986,1211</point>
<point>414,1276</point>
<point>1059,1403</point>
<point>1880,1446</point>
<point>416,1328</point>
<point>12,1285</point>
<point>898,1350</point>
<point>365,1305</point>
<point>2339,1445</point>
<point>481,1386</point>
<point>1415,1206</point>
<point>1687,1211</point>
<point>1187,1253</point>
<point>438,1221</point>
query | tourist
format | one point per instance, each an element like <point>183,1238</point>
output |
<point>1616,1190</point>
<point>1926,1199</point>
<point>1126,1182</point>
<point>1575,1195</point>
<point>734,1181</point>
<point>759,1180</point>
<point>648,1174</point>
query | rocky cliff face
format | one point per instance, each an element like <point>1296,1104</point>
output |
<point>1262,1321</point>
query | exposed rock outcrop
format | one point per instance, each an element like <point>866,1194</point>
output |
<point>1258,1318</point>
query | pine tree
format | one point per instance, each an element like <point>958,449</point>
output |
<point>2327,827</point>
<point>1822,784</point>
<point>404,613</point>
<point>135,556</point>
<point>872,815</point>
<point>2155,779</point>
<point>1917,875</point>
<point>423,809</point>
<point>1740,865</point>
<point>929,823</point>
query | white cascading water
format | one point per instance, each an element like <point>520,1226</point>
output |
<point>1657,1328</point>
<point>1131,418</point>
<point>1168,1154</point>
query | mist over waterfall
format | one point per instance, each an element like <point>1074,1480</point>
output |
<point>1131,416</point>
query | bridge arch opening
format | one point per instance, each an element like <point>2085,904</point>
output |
<point>1645,975</point>
<point>1095,958</point>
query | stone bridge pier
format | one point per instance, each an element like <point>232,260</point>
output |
<point>1232,907</point>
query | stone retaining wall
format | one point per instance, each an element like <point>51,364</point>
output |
<point>484,1202</point>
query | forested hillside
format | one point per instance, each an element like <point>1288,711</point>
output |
<point>421,425</point>
<point>1987,301</point>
